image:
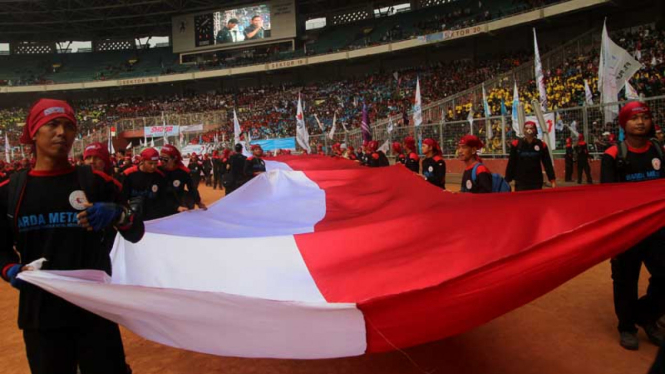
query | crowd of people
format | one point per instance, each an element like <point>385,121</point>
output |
<point>269,111</point>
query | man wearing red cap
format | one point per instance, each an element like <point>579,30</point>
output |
<point>376,158</point>
<point>195,167</point>
<point>400,157</point>
<point>412,159</point>
<point>97,156</point>
<point>468,148</point>
<point>254,165</point>
<point>570,159</point>
<point>177,176</point>
<point>526,156</point>
<point>206,165</point>
<point>637,159</point>
<point>350,154</point>
<point>144,186</point>
<point>582,152</point>
<point>61,213</point>
<point>434,167</point>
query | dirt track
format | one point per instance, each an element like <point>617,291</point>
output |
<point>570,330</point>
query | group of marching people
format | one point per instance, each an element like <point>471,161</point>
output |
<point>68,214</point>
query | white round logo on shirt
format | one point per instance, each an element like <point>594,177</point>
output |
<point>431,169</point>
<point>155,188</point>
<point>176,184</point>
<point>78,200</point>
<point>469,184</point>
<point>537,148</point>
<point>656,163</point>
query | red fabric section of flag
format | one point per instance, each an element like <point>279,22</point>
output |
<point>424,264</point>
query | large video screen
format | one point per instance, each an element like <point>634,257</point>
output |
<point>271,19</point>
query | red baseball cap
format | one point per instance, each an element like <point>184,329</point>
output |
<point>150,154</point>
<point>98,150</point>
<point>42,112</point>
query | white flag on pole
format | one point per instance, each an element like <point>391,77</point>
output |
<point>334,127</point>
<point>166,138</point>
<point>236,134</point>
<point>616,67</point>
<point>7,149</point>
<point>631,92</point>
<point>516,108</point>
<point>540,78</point>
<point>152,142</point>
<point>129,145</point>
<point>302,136</point>
<point>319,123</point>
<point>488,113</point>
<point>417,107</point>
<point>110,145</point>
<point>587,93</point>
<point>391,126</point>
<point>470,119</point>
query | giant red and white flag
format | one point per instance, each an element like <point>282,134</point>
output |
<point>319,257</point>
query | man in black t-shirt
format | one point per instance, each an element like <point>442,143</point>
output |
<point>176,198</point>
<point>637,159</point>
<point>61,213</point>
<point>235,176</point>
<point>255,30</point>
<point>434,167</point>
<point>468,149</point>
<point>144,186</point>
<point>526,157</point>
<point>254,164</point>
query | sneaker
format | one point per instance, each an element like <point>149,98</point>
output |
<point>655,334</point>
<point>629,341</point>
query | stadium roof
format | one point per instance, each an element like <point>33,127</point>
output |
<point>64,20</point>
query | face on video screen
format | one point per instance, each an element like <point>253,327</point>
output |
<point>244,24</point>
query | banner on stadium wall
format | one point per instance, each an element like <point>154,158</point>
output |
<point>452,34</point>
<point>549,118</point>
<point>155,131</point>
<point>271,144</point>
<point>192,128</point>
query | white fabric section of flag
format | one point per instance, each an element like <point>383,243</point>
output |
<point>302,136</point>
<point>573,129</point>
<point>152,142</point>
<point>515,111</point>
<point>551,128</point>
<point>417,106</point>
<point>631,92</point>
<point>540,77</point>
<point>588,96</point>
<point>334,127</point>
<point>145,138</point>
<point>615,68</point>
<point>470,118</point>
<point>390,126</point>
<point>213,322</point>
<point>396,75</point>
<point>129,145</point>
<point>344,126</point>
<point>217,306</point>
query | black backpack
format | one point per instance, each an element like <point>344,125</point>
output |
<point>622,161</point>
<point>18,181</point>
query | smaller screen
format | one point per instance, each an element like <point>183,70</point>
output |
<point>240,25</point>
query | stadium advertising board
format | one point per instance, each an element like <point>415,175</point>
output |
<point>154,131</point>
<point>231,27</point>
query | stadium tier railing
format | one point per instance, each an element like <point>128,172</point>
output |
<point>586,120</point>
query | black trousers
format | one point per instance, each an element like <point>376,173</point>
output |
<point>626,268</point>
<point>659,366</point>
<point>217,179</point>
<point>531,186</point>
<point>95,347</point>
<point>583,166</point>
<point>569,169</point>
